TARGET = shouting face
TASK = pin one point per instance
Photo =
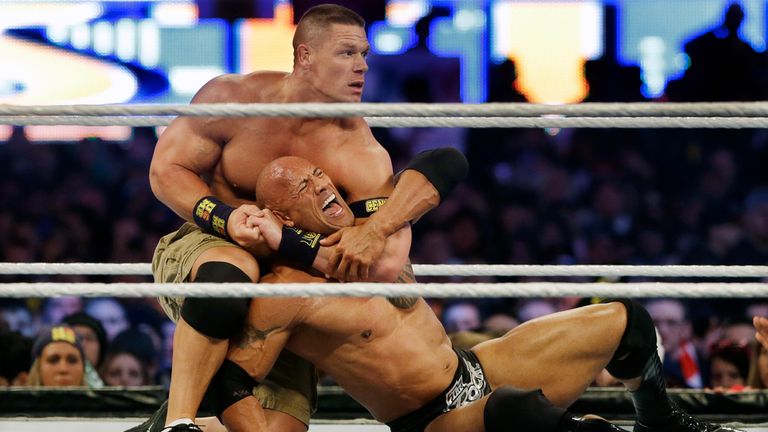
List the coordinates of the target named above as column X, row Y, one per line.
column 301, row 194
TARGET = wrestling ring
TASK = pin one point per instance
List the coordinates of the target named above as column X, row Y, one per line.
column 116, row 409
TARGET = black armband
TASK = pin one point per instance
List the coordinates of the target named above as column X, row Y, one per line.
column 444, row 167
column 211, row 216
column 365, row 208
column 298, row 246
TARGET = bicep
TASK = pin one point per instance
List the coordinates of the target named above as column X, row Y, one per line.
column 372, row 178
column 186, row 145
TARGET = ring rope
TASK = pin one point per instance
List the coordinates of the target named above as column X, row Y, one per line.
column 463, row 122
column 600, row 109
column 432, row 270
column 441, row 290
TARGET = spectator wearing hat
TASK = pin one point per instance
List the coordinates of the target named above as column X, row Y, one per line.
column 57, row 359
column 94, row 340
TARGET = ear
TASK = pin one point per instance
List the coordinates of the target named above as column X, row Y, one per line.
column 304, row 55
column 284, row 218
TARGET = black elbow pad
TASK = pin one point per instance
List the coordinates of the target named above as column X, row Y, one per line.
column 444, row 167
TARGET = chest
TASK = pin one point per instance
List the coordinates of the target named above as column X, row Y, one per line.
column 342, row 152
column 356, row 320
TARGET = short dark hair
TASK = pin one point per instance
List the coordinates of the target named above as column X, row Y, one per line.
column 322, row 16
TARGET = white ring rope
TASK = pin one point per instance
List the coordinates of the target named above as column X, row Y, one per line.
column 610, row 109
column 464, row 122
column 443, row 290
column 432, row 270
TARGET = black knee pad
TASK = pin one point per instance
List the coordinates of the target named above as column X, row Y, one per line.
column 638, row 343
column 509, row 408
column 219, row 318
column 230, row 385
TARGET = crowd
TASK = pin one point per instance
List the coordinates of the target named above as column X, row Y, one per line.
column 533, row 196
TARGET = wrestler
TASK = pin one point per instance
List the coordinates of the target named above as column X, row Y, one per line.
column 399, row 363
column 203, row 169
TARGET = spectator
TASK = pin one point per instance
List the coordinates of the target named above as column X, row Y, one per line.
column 142, row 347
column 54, row 309
column 729, row 362
column 124, row 368
column 110, row 313
column 529, row 309
column 94, row 340
column 461, row 316
column 682, row 363
column 18, row 317
column 58, row 359
column 15, row 361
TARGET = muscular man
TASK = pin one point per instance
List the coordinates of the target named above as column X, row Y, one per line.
column 203, row 169
column 398, row 361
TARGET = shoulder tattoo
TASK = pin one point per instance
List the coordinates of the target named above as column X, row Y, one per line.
column 251, row 335
column 406, row 276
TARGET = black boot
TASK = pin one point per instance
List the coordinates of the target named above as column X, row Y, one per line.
column 680, row 421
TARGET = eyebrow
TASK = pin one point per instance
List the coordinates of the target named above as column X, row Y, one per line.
column 346, row 45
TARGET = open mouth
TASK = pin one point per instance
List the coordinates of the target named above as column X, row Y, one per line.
column 357, row 85
column 331, row 206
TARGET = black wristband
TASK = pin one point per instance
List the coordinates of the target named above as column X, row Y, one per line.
column 365, row 208
column 211, row 215
column 298, row 246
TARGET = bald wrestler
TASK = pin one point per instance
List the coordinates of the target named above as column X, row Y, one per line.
column 398, row 361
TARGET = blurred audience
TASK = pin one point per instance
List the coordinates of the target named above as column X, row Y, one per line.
column 533, row 196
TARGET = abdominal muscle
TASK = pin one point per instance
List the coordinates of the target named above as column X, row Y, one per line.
column 391, row 360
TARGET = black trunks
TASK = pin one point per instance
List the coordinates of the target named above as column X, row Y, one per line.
column 468, row 385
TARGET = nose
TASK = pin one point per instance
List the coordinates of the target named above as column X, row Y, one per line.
column 361, row 65
column 319, row 185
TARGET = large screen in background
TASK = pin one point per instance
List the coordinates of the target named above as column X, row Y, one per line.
column 652, row 33
column 162, row 51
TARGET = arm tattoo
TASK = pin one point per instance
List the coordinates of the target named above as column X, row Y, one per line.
column 406, row 276
column 251, row 334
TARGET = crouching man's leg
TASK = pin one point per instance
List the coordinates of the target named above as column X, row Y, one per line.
column 282, row 402
column 636, row 363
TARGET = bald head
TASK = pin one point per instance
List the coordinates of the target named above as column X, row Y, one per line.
column 274, row 182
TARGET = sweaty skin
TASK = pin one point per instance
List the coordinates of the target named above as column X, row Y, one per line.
column 394, row 360
column 197, row 157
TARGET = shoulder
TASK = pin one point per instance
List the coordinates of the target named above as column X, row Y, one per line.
column 252, row 87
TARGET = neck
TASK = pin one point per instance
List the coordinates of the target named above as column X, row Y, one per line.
column 297, row 89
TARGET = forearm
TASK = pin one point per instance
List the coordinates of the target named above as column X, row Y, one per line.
column 429, row 177
column 412, row 197
column 388, row 267
column 178, row 188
